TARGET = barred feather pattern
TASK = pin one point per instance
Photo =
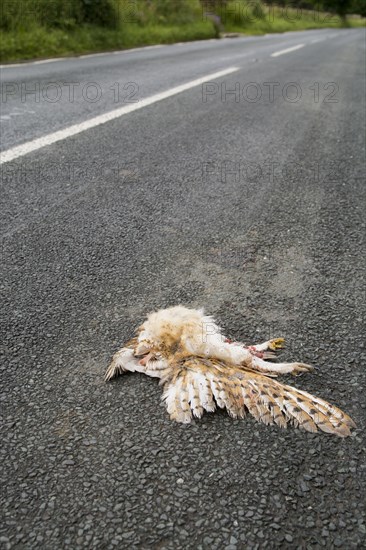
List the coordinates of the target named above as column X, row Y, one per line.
column 198, row 385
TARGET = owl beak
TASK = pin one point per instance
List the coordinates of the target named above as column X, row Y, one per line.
column 141, row 349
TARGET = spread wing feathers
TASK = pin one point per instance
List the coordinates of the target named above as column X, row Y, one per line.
column 125, row 360
column 198, row 384
column 122, row 361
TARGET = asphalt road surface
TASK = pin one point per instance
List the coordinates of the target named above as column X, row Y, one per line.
column 249, row 203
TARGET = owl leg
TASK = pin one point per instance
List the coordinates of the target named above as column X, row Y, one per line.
column 279, row 368
column 261, row 350
column 237, row 352
column 226, row 350
column 274, row 345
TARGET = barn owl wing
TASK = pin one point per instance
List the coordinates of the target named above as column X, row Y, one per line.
column 198, row 384
column 124, row 360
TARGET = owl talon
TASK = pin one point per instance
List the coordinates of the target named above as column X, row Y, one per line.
column 268, row 355
column 300, row 368
column 276, row 344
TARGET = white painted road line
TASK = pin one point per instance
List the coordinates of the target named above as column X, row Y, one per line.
column 143, row 48
column 40, row 62
column 34, row 145
column 75, row 58
column 93, row 55
column 287, row 50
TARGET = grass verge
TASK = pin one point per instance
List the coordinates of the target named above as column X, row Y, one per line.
column 272, row 19
column 40, row 42
column 37, row 42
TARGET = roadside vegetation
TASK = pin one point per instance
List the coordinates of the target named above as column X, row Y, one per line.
column 33, row 29
column 271, row 18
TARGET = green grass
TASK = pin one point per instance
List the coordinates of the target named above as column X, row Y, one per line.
column 41, row 42
column 28, row 39
column 277, row 20
column 356, row 22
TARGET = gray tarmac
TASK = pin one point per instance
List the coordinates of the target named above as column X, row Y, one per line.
column 251, row 208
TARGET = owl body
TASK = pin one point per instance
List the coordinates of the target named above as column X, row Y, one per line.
column 200, row 370
column 182, row 331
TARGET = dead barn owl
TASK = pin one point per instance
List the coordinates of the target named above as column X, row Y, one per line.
column 200, row 369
